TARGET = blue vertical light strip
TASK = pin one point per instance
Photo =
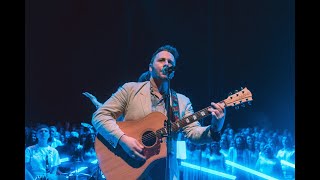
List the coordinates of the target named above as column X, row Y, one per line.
column 94, row 161
column 181, row 150
column 287, row 163
column 192, row 166
column 249, row 170
column 64, row 160
column 79, row 170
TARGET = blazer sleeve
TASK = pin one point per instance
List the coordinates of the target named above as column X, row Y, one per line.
column 104, row 119
column 194, row 131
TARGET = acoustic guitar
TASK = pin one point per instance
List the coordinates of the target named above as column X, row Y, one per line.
column 115, row 163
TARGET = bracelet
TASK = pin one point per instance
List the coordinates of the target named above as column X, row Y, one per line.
column 215, row 135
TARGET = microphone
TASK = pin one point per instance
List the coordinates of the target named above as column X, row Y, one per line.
column 167, row 70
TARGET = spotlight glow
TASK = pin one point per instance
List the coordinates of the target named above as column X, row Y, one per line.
column 249, row 170
column 207, row 170
column 94, row 161
column 64, row 160
column 287, row 163
column 79, row 170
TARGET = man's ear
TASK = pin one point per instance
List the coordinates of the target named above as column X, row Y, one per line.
column 150, row 67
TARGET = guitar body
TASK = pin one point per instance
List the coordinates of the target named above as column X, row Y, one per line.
column 115, row 163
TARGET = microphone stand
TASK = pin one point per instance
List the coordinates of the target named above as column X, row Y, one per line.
column 168, row 127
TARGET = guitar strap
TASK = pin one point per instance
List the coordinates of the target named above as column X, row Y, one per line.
column 175, row 106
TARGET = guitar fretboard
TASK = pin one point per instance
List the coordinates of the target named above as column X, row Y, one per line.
column 176, row 126
column 240, row 97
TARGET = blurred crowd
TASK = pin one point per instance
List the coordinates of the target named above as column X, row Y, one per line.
column 264, row 151
column 246, row 153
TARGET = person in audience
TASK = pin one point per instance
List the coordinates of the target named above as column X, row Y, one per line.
column 230, row 135
column 239, row 155
column 67, row 135
column 89, row 153
column 72, row 153
column 32, row 138
column 83, row 137
column 224, row 145
column 287, row 154
column 262, row 144
column 216, row 160
column 73, row 148
column 268, row 164
column 253, row 154
column 53, row 140
column 62, row 139
column 41, row 160
column 274, row 144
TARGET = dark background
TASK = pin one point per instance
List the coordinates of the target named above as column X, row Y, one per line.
column 96, row 46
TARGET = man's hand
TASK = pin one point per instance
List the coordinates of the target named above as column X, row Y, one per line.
column 218, row 112
column 93, row 99
column 132, row 147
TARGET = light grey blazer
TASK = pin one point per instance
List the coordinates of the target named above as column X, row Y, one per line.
column 133, row 101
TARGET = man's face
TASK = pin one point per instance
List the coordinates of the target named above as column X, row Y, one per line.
column 43, row 134
column 52, row 132
column 161, row 59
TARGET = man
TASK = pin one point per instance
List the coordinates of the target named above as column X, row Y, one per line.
column 135, row 100
column 41, row 160
column 53, row 141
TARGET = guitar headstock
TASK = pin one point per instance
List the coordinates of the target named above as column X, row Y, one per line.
column 239, row 98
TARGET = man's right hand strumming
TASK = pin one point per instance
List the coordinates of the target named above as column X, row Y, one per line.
column 132, row 147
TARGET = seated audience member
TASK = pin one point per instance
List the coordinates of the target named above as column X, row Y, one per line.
column 41, row 160
column 53, row 140
column 71, row 152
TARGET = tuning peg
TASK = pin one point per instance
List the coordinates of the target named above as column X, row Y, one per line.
column 236, row 107
column 241, row 88
column 235, row 91
column 249, row 103
column 230, row 93
column 243, row 105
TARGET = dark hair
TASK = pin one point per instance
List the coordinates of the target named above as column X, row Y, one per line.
column 74, row 139
column 168, row 48
column 144, row 77
column 40, row 126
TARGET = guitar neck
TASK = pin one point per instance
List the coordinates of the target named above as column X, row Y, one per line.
column 236, row 99
column 178, row 125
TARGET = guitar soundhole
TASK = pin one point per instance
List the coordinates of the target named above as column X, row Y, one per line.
column 149, row 138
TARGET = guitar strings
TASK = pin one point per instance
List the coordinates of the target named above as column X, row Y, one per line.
column 174, row 126
column 158, row 132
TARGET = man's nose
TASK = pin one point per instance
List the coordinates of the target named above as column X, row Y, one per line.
column 166, row 62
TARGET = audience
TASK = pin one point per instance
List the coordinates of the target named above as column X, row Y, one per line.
column 255, row 147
